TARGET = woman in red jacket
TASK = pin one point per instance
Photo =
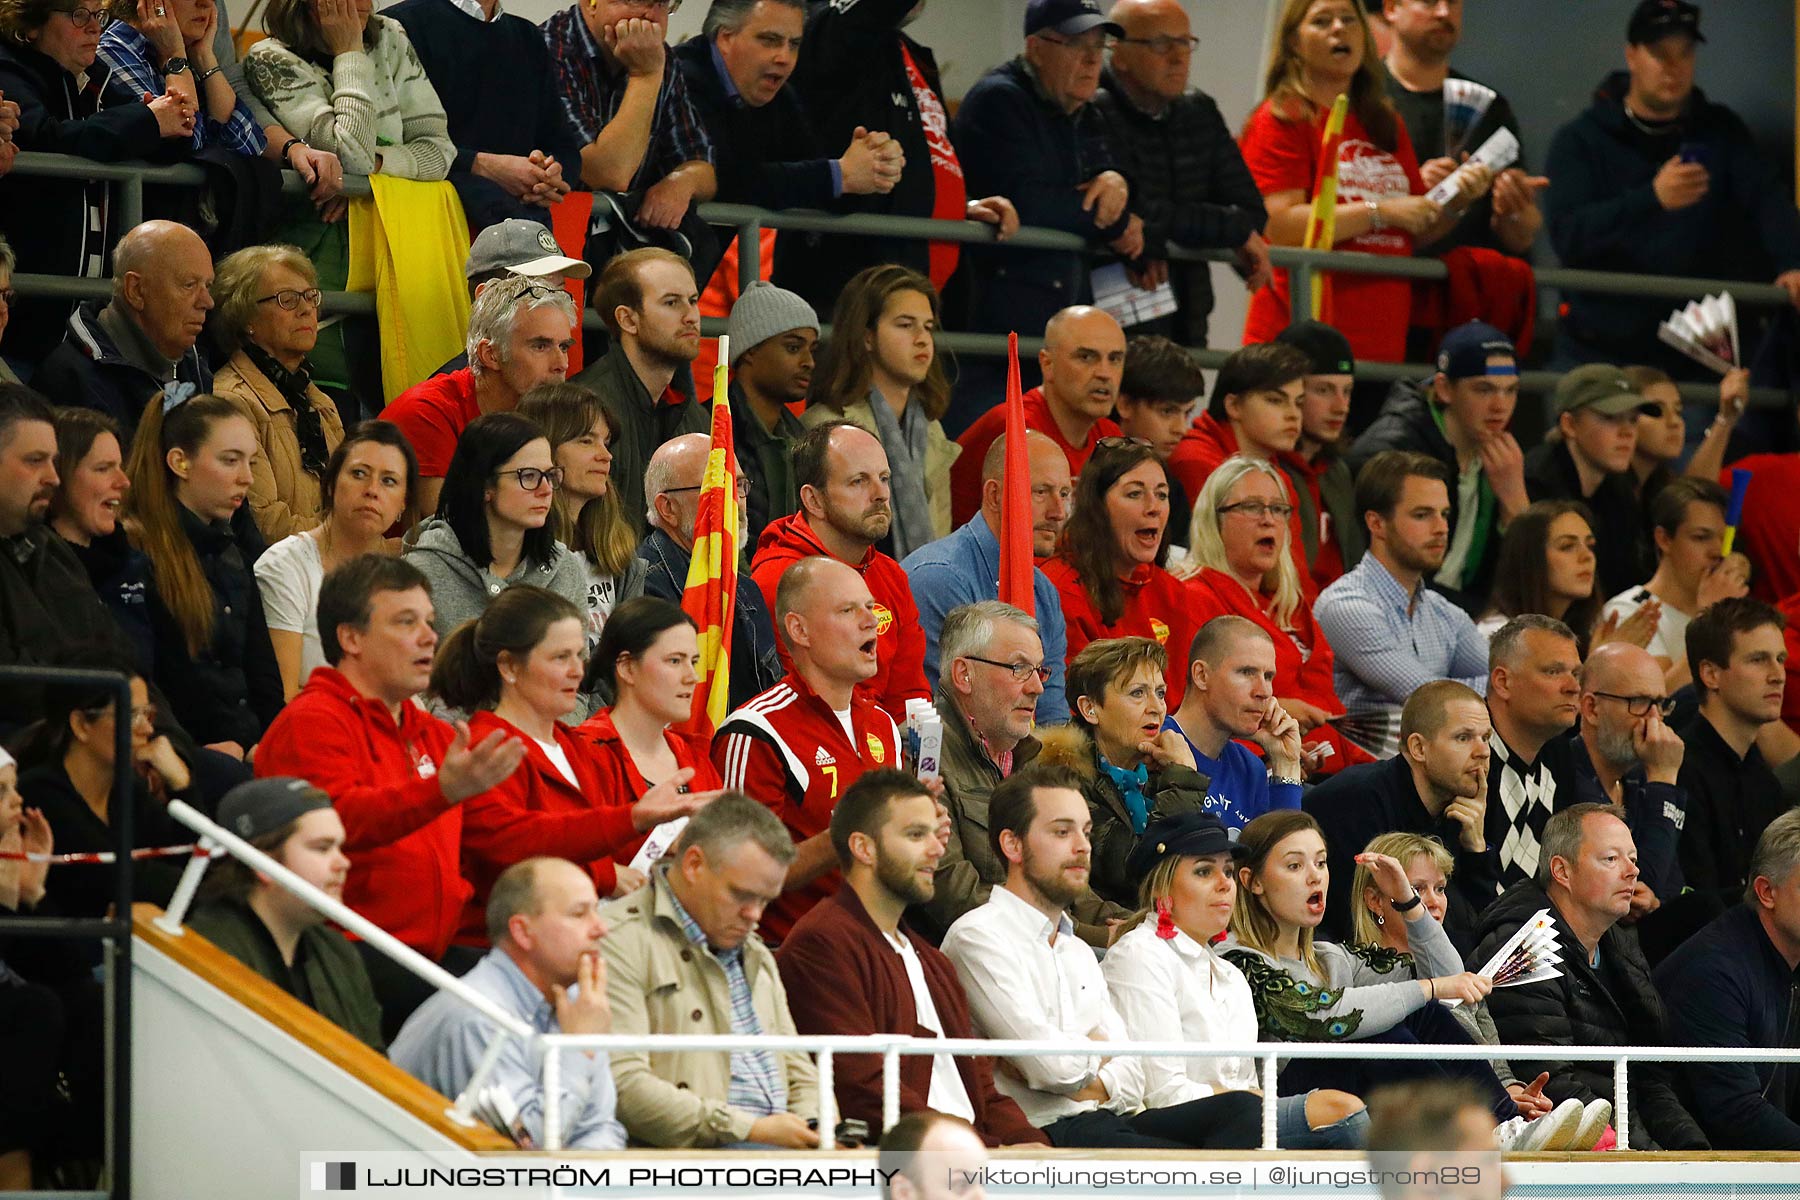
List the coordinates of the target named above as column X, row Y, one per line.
column 1107, row 567
column 519, row 666
column 1240, row 564
column 647, row 658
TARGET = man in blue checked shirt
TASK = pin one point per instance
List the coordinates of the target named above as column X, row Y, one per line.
column 543, row 918
column 168, row 48
column 1391, row 633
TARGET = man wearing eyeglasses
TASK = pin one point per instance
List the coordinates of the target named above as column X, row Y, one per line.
column 1624, row 752
column 1189, row 181
column 1028, row 129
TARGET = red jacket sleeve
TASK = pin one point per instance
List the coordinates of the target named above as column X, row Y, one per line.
column 326, row 752
column 965, row 472
column 498, row 826
column 906, row 673
column 752, row 765
column 767, row 574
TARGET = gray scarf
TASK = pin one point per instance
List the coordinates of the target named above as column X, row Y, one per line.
column 904, row 438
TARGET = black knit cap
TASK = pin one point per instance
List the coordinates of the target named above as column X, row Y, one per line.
column 1327, row 351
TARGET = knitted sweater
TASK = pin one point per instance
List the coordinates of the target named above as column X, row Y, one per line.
column 375, row 102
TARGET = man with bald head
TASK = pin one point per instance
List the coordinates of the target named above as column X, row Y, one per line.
column 1083, row 361
column 1189, row 182
column 1622, row 752
column 965, row 567
column 119, row 353
column 846, row 507
column 672, row 487
column 797, row 746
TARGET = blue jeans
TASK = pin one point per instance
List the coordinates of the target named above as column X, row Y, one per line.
column 1292, row 1132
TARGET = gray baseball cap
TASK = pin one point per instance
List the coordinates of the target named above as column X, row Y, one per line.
column 524, row 248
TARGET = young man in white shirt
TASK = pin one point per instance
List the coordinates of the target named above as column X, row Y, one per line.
column 1028, row 977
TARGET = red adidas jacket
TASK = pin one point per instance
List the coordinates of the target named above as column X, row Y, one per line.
column 402, row 837
column 1157, row 606
column 899, row 638
column 538, row 811
column 788, row 749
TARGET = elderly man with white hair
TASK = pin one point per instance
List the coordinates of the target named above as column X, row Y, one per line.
column 520, row 332
column 672, row 492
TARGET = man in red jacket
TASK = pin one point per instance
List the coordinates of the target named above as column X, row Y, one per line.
column 396, row 775
column 852, row 967
column 1083, row 360
column 797, row 746
column 841, row 472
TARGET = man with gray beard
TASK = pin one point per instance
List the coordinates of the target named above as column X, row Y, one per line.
column 1623, row 752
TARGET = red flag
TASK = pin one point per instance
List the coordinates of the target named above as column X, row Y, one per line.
column 1016, row 586
column 710, row 593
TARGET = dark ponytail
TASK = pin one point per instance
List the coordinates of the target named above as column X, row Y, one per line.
column 466, row 674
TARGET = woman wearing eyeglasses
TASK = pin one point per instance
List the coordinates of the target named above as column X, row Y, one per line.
column 587, row 516
column 492, row 529
column 1108, row 565
column 1238, row 563
column 63, row 226
column 267, row 318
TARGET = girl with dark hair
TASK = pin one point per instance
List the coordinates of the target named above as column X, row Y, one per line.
column 646, row 661
column 1546, row 565
column 84, row 512
column 190, row 474
column 880, row 370
column 518, row 669
column 1108, row 565
column 588, row 517
column 492, row 529
column 1322, row 50
column 1310, row 991
column 67, row 771
column 366, row 488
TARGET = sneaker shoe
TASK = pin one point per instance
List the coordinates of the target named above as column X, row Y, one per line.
column 1595, row 1119
column 1552, row 1131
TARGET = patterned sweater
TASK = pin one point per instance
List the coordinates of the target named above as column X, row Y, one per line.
column 373, row 102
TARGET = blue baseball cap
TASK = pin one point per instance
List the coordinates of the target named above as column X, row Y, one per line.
column 1071, row 18
column 1465, row 350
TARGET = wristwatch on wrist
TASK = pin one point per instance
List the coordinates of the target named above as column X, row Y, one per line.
column 1407, row 905
column 175, row 66
column 288, row 147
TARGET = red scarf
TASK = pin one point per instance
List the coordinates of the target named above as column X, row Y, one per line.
column 952, row 199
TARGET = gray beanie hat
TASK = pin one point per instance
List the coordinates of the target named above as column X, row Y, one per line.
column 265, row 805
column 763, row 312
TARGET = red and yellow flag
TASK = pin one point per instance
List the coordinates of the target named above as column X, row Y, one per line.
column 711, row 590
column 1321, row 222
column 1016, row 568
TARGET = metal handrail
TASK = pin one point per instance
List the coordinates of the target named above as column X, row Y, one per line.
column 891, row 1047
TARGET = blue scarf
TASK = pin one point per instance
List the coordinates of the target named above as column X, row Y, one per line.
column 1131, row 786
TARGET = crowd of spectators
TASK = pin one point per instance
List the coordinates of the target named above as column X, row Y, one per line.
column 1313, row 707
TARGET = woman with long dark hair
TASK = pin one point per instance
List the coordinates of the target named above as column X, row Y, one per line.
column 588, row 517
column 880, row 370
column 492, row 530
column 646, row 661
column 367, row 485
column 85, row 512
column 1323, row 49
column 190, row 475
column 1546, row 565
column 1108, row 565
column 518, row 668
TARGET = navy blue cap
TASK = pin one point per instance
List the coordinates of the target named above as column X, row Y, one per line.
column 1464, row 352
column 1194, row 834
column 1071, row 18
column 1653, row 20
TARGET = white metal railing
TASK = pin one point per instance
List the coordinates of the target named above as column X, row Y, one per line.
column 890, row 1046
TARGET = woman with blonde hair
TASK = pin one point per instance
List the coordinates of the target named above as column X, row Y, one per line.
column 1165, row 980
column 1306, row 990
column 1239, row 563
column 880, row 369
column 587, row 516
column 266, row 316
column 190, row 478
column 1381, row 936
column 1323, row 49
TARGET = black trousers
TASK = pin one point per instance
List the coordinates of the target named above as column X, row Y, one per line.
column 1230, row 1121
column 1432, row 1025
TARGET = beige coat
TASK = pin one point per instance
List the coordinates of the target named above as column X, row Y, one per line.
column 659, row 982
column 284, row 497
column 940, row 453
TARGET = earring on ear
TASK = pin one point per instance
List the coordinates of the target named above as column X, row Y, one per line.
column 1380, row 920
column 1165, row 921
